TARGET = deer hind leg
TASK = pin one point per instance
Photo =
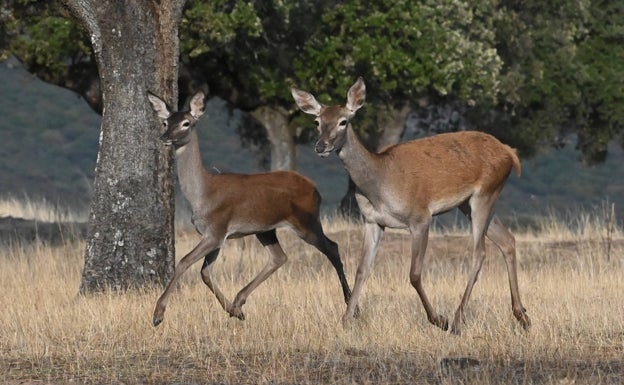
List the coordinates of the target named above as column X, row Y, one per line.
column 506, row 242
column 204, row 247
column 315, row 236
column 206, row 274
column 420, row 235
column 278, row 258
column 372, row 236
column 477, row 209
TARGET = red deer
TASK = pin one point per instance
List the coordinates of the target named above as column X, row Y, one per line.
column 405, row 185
column 236, row 205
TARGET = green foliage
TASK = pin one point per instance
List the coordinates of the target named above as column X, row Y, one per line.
column 46, row 41
column 209, row 25
column 404, row 50
column 245, row 50
column 601, row 54
column 563, row 73
column 529, row 71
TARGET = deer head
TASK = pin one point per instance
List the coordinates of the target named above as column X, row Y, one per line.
column 332, row 121
column 178, row 125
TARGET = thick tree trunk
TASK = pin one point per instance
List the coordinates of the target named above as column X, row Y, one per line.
column 393, row 123
column 275, row 120
column 130, row 236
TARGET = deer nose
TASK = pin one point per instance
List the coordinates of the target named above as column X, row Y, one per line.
column 320, row 147
column 166, row 138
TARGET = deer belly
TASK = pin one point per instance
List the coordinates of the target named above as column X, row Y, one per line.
column 447, row 203
column 237, row 230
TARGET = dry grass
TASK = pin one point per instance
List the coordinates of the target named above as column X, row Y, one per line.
column 293, row 335
column 40, row 210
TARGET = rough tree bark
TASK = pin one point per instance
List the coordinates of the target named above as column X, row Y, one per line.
column 275, row 120
column 130, row 236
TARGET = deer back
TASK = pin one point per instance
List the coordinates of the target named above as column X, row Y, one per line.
column 447, row 165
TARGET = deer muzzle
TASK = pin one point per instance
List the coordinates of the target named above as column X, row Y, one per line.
column 166, row 139
column 322, row 148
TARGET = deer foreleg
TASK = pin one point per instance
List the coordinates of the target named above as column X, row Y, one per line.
column 204, row 247
column 372, row 236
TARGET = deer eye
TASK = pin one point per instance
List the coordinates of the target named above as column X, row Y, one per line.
column 186, row 124
column 164, row 124
column 342, row 123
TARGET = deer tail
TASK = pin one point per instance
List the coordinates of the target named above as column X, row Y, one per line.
column 515, row 160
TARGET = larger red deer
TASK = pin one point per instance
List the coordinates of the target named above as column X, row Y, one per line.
column 405, row 185
column 236, row 205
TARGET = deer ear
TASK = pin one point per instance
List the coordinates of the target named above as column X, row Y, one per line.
column 198, row 104
column 306, row 102
column 356, row 95
column 159, row 106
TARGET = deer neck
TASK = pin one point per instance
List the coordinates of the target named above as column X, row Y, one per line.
column 192, row 175
column 362, row 165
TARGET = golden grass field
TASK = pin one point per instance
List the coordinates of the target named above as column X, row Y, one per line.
column 573, row 292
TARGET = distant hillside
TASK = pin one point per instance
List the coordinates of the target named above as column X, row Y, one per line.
column 50, row 138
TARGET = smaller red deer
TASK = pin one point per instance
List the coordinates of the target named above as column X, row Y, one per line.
column 405, row 185
column 236, row 205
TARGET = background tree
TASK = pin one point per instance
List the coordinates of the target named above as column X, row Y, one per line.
column 563, row 75
column 600, row 111
column 130, row 236
column 245, row 52
column 43, row 36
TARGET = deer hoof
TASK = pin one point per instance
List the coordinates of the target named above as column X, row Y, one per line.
column 357, row 312
column 523, row 318
column 237, row 313
column 441, row 322
column 159, row 313
column 346, row 321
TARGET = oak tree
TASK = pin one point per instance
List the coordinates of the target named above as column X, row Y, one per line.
column 130, row 235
